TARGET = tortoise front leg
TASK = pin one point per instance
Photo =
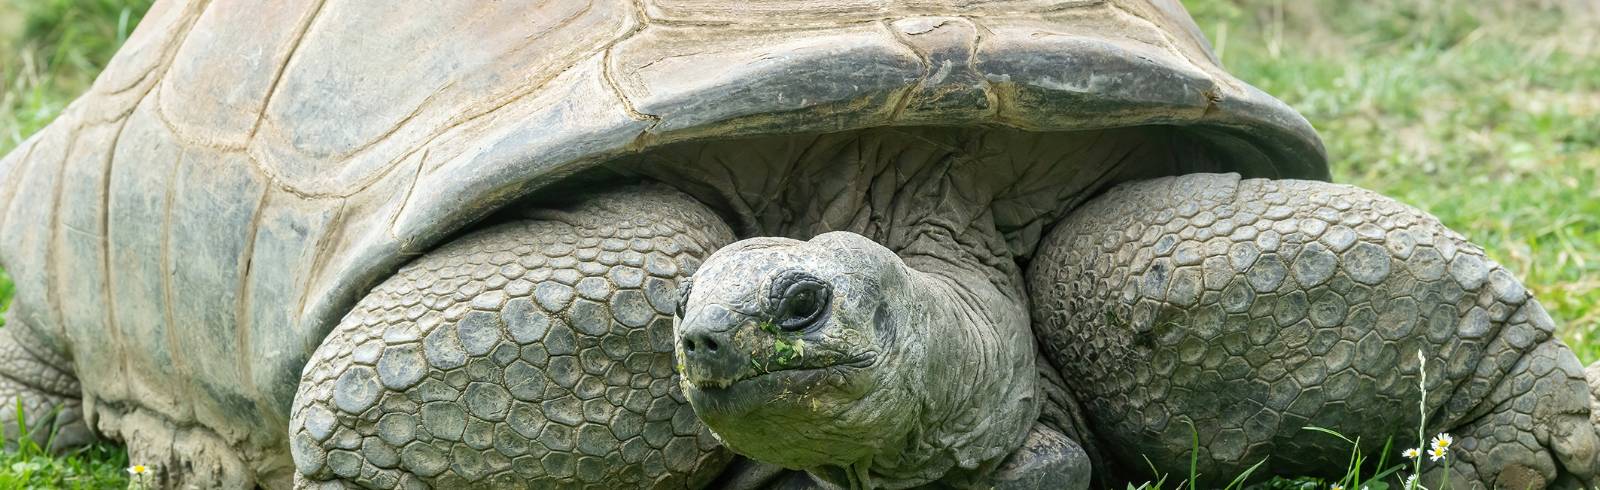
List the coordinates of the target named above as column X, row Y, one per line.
column 1254, row 308
column 531, row 354
column 1047, row 459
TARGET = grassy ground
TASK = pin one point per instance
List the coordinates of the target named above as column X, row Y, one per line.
column 1485, row 113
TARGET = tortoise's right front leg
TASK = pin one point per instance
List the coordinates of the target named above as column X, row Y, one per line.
column 533, row 354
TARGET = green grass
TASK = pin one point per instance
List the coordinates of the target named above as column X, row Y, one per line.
column 50, row 52
column 29, row 465
column 1486, row 114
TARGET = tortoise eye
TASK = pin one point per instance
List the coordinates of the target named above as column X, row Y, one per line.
column 683, row 296
column 801, row 300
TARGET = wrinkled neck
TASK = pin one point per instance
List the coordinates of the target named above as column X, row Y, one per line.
column 976, row 372
column 889, row 183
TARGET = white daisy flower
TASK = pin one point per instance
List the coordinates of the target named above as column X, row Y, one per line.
column 1436, row 453
column 1412, row 453
column 138, row 470
column 1443, row 441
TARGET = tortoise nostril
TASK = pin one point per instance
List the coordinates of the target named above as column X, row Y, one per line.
column 700, row 344
column 710, row 358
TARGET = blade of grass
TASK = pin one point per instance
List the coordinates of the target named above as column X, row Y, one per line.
column 1239, row 480
column 1330, row 432
column 1194, row 455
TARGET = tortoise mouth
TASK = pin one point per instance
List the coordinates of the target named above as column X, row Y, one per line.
column 770, row 389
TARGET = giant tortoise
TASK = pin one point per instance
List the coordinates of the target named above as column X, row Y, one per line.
column 668, row 243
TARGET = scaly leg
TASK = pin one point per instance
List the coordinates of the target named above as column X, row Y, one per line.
column 1254, row 308
column 531, row 354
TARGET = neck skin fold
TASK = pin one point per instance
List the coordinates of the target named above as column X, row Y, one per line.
column 977, row 373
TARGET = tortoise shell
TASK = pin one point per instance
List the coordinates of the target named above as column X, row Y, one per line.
column 243, row 172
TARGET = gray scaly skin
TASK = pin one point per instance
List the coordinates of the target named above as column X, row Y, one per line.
column 533, row 353
column 39, row 383
column 1254, row 308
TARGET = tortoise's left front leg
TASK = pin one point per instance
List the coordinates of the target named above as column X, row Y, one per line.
column 1255, row 308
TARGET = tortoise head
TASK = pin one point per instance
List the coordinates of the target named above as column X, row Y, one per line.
column 790, row 347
